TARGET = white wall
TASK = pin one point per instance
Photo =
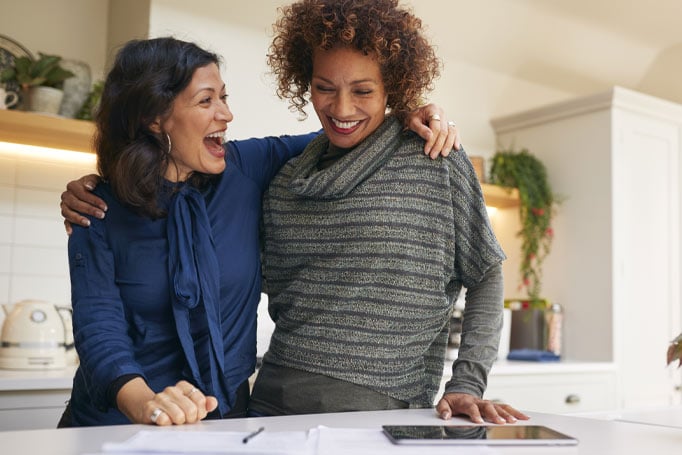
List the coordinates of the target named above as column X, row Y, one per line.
column 33, row 259
column 73, row 29
column 471, row 95
column 241, row 32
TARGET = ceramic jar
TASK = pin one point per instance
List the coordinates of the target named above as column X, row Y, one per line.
column 76, row 88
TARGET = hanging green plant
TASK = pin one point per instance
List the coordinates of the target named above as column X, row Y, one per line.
column 525, row 172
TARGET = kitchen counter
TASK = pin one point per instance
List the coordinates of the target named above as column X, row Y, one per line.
column 15, row 380
column 563, row 387
column 595, row 436
column 32, row 399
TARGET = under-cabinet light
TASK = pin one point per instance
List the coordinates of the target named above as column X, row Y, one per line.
column 46, row 154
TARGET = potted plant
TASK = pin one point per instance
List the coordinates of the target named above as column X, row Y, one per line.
column 539, row 328
column 675, row 351
column 525, row 172
column 41, row 81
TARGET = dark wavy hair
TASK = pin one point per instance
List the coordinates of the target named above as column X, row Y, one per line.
column 378, row 28
column 146, row 77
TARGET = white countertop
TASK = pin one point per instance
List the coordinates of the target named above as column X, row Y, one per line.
column 513, row 367
column 16, row 380
column 516, row 367
column 603, row 437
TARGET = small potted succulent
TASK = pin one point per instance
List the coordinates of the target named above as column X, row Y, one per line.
column 41, row 81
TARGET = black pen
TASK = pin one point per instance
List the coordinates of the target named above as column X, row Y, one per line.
column 252, row 435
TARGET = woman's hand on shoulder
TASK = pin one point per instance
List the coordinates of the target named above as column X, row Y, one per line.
column 176, row 405
column 477, row 409
column 431, row 123
column 78, row 200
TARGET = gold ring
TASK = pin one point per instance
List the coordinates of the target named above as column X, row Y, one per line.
column 434, row 117
column 155, row 414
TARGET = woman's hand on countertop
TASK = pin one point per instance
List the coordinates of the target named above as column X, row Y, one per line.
column 175, row 405
column 477, row 409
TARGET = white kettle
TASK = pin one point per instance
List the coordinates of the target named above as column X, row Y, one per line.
column 36, row 335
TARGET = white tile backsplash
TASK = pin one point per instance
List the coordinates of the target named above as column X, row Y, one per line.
column 41, row 203
column 4, row 288
column 6, row 199
column 5, row 258
column 36, row 260
column 49, row 176
column 33, row 243
column 52, row 289
column 7, row 171
column 46, row 232
column 6, row 229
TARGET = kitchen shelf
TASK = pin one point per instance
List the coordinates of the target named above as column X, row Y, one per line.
column 46, row 130
column 68, row 134
column 499, row 196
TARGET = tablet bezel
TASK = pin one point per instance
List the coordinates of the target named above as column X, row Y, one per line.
column 557, row 438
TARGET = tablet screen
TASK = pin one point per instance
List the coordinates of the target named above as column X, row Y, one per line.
column 477, row 434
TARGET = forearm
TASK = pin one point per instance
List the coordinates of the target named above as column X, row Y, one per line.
column 481, row 327
column 131, row 398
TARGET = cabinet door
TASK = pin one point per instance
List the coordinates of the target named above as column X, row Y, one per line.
column 646, row 233
column 557, row 393
column 31, row 410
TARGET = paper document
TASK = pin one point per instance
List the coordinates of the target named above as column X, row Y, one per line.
column 216, row 442
column 320, row 440
column 344, row 441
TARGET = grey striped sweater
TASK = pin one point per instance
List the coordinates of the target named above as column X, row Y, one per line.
column 362, row 262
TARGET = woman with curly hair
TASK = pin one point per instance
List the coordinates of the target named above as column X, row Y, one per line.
column 367, row 243
column 165, row 288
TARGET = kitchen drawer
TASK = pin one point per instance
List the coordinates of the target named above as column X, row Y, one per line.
column 31, row 410
column 555, row 393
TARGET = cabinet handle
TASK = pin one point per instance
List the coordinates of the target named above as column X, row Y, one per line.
column 572, row 399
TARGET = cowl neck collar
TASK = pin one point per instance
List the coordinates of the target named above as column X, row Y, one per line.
column 339, row 179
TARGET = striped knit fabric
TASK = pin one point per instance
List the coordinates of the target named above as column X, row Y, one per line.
column 363, row 260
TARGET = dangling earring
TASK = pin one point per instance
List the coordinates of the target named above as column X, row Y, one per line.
column 169, row 144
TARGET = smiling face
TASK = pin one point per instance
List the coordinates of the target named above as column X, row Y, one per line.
column 348, row 95
column 197, row 126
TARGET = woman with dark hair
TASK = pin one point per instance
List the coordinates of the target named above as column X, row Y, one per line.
column 367, row 243
column 165, row 288
column 164, row 310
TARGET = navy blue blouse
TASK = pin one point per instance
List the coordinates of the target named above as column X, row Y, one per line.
column 173, row 298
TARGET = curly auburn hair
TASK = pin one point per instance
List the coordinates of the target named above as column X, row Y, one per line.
column 378, row 28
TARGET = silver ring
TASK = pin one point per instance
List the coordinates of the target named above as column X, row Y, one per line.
column 434, row 117
column 155, row 414
column 451, row 123
column 194, row 389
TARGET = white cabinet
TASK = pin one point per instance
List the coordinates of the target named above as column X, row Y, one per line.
column 32, row 410
column 557, row 388
column 33, row 399
column 615, row 263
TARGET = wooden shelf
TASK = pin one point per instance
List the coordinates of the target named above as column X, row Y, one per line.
column 46, row 131
column 68, row 134
column 500, row 197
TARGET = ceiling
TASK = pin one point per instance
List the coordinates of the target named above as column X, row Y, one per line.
column 578, row 46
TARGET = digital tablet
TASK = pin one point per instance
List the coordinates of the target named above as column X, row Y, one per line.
column 512, row 434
